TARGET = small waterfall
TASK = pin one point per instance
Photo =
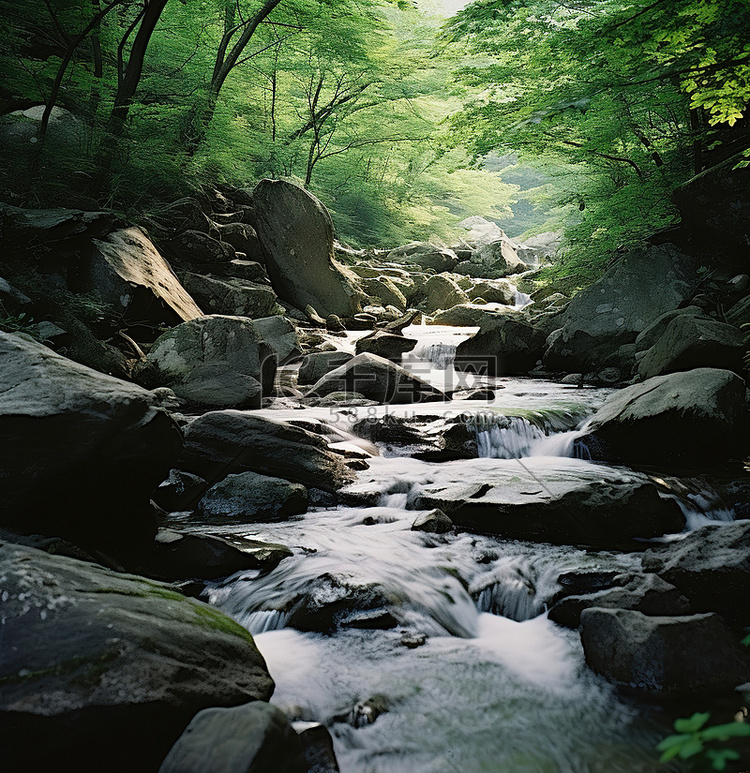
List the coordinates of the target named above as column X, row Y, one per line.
column 521, row 299
column 699, row 503
column 265, row 620
column 440, row 356
column 516, row 437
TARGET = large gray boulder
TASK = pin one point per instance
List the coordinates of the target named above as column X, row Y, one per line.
column 384, row 344
column 651, row 334
column 500, row 258
column 281, row 334
column 692, row 342
column 442, row 293
column 80, row 452
column 107, row 669
column 664, row 656
column 493, row 291
column 470, row 315
column 296, row 232
column 562, row 501
column 249, row 497
column 645, row 593
column 316, row 364
column 231, row 296
column 128, row 272
column 223, row 442
column 506, row 344
column 218, row 361
column 424, row 255
column 641, row 286
column 377, row 379
column 385, row 290
column 711, row 566
column 689, row 418
column 253, row 738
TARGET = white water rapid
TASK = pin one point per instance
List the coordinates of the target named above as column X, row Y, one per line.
column 447, row 633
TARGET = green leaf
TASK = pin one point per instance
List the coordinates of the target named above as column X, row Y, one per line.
column 673, row 741
column 723, row 732
column 693, row 724
column 691, row 748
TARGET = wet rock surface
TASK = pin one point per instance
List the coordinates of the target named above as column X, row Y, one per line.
column 90, row 656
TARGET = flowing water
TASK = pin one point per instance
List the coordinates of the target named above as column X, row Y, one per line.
column 467, row 670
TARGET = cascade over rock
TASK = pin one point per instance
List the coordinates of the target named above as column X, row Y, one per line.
column 296, row 232
column 687, row 418
column 107, row 669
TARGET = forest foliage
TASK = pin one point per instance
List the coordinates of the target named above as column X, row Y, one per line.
column 401, row 127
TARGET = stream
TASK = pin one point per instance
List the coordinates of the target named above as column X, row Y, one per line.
column 450, row 663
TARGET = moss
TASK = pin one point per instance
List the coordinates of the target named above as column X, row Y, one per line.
column 151, row 590
column 206, row 617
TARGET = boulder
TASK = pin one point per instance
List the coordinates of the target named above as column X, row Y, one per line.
column 498, row 291
column 81, row 451
column 642, row 285
column 442, row 293
column 739, row 313
column 11, row 298
column 500, row 258
column 128, row 272
column 180, row 491
column 249, row 270
column 92, row 658
column 248, row 497
column 691, row 342
column 545, row 499
column 179, row 556
column 715, row 209
column 693, row 656
column 425, row 255
column 281, row 334
column 34, row 227
column 469, row 315
column 433, row 522
column 650, row 335
column 223, row 442
column 387, row 345
column 384, row 289
column 198, row 247
column 711, row 566
column 645, row 593
column 296, row 232
column 377, row 379
column 253, row 738
column 215, row 361
column 231, row 296
column 316, row 364
column 510, row 346
column 318, row 746
column 241, row 237
column 687, row 418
